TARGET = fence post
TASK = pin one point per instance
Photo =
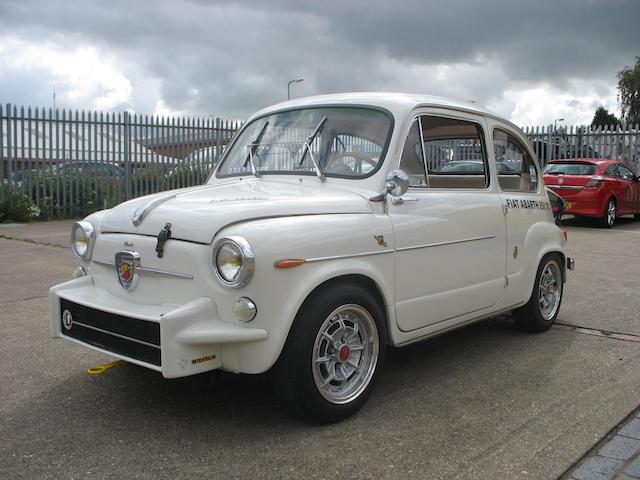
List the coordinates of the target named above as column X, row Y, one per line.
column 3, row 157
column 9, row 145
column 127, row 155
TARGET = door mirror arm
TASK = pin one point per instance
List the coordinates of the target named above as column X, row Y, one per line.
column 396, row 184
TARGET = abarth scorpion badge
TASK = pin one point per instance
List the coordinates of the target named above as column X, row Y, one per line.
column 67, row 320
column 126, row 264
column 380, row 240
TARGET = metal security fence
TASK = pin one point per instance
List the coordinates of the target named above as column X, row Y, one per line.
column 70, row 163
column 615, row 142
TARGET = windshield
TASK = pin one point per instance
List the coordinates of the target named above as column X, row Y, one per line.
column 570, row 168
column 344, row 142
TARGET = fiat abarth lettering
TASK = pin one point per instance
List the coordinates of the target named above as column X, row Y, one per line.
column 332, row 227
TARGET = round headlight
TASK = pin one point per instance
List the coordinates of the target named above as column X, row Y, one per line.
column 82, row 240
column 233, row 261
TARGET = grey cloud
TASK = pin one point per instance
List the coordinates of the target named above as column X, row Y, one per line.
column 230, row 58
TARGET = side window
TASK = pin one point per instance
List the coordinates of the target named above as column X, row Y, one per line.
column 516, row 169
column 412, row 161
column 454, row 153
column 625, row 172
column 611, row 171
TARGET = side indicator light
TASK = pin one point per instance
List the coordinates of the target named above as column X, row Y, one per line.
column 290, row 263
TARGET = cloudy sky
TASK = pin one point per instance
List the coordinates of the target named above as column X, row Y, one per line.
column 532, row 61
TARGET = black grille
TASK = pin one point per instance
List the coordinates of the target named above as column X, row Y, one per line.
column 107, row 331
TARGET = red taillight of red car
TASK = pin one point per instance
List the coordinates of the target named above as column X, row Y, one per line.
column 594, row 183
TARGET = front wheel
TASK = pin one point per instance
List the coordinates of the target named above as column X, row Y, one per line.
column 334, row 353
column 541, row 311
column 609, row 217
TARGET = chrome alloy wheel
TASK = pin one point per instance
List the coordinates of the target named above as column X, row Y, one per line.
column 611, row 212
column 550, row 290
column 345, row 354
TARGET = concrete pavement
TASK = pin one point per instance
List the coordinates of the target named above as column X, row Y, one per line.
column 486, row 401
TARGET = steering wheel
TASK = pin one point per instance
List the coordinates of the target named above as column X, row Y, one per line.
column 360, row 157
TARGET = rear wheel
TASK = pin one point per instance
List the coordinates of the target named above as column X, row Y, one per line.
column 609, row 217
column 334, row 353
column 541, row 311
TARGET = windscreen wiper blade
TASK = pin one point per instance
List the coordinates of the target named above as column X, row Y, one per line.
column 307, row 148
column 253, row 146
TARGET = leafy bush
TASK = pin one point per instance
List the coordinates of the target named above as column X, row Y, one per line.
column 72, row 194
column 15, row 206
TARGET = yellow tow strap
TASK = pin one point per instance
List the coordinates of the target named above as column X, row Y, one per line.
column 100, row 369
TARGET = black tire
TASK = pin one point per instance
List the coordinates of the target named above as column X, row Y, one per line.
column 636, row 216
column 299, row 376
column 532, row 316
column 608, row 218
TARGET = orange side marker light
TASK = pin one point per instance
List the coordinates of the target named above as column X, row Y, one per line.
column 289, row 263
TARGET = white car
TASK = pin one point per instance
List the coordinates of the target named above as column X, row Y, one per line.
column 327, row 232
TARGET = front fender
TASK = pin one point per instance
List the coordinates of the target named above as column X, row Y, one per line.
column 331, row 245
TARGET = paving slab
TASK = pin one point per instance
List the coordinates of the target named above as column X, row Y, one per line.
column 55, row 232
column 28, row 269
column 606, row 278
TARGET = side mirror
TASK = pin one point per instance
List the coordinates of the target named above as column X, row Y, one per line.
column 396, row 184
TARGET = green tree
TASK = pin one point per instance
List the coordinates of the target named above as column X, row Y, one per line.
column 629, row 93
column 602, row 118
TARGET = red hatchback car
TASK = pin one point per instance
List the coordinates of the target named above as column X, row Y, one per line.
column 593, row 187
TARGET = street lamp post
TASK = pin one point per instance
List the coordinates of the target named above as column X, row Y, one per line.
column 289, row 86
column 555, row 123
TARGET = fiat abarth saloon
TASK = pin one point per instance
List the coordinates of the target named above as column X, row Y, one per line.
column 330, row 229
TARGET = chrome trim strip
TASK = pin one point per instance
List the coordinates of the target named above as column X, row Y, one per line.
column 366, row 254
column 567, row 187
column 153, row 272
column 143, row 210
column 351, row 255
column 104, row 264
column 149, row 272
column 439, row 244
column 124, row 337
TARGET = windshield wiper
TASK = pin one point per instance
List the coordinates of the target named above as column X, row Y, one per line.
column 253, row 146
column 307, row 148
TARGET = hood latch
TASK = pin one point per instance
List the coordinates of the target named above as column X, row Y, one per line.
column 163, row 236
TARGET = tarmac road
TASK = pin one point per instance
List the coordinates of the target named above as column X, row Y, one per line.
column 484, row 402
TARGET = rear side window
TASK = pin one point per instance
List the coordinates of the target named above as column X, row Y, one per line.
column 516, row 169
column 625, row 172
column 570, row 168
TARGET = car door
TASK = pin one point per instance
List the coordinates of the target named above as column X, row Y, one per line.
column 449, row 230
column 631, row 189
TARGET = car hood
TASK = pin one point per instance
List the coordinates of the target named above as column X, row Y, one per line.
column 196, row 214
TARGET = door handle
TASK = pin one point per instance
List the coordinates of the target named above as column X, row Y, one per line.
column 403, row 200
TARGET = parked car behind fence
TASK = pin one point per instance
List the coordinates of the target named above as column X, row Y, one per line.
column 596, row 188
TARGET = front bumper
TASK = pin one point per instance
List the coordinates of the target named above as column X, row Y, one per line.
column 177, row 340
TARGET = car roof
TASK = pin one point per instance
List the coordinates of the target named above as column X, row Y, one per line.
column 596, row 161
column 393, row 101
